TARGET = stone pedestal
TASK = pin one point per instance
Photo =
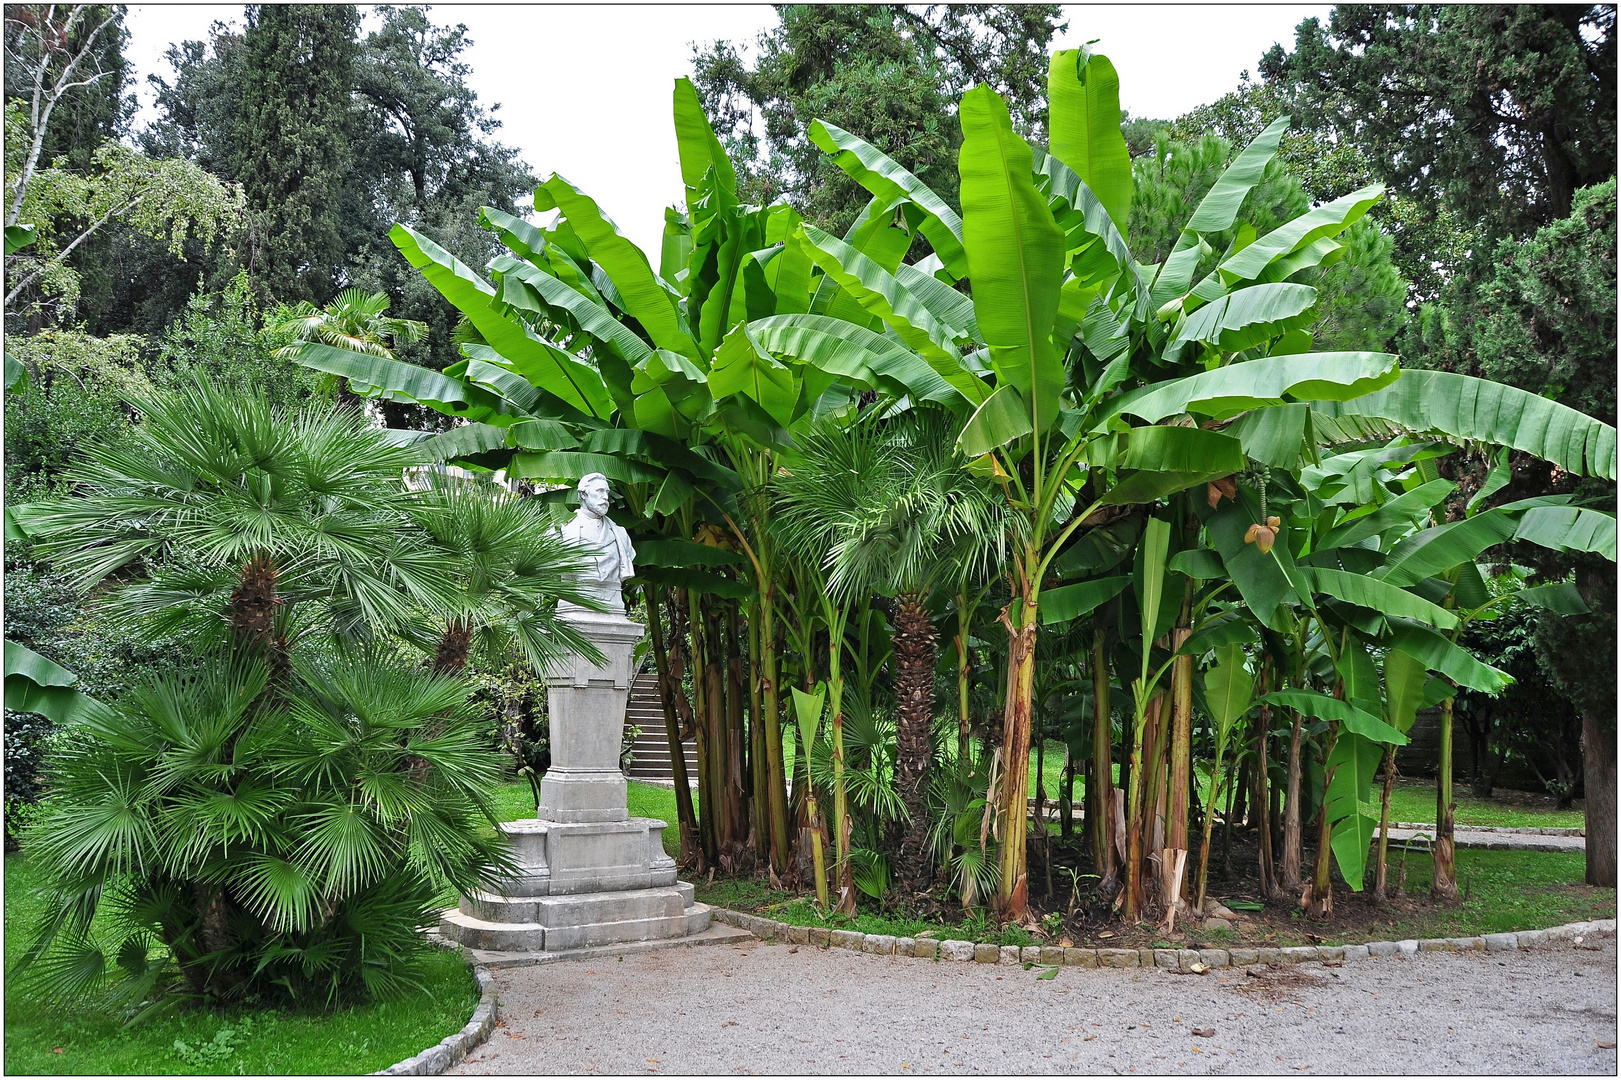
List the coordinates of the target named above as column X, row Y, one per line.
column 588, row 873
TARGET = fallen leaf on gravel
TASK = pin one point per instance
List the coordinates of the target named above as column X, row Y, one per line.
column 794, row 949
column 1089, row 1038
column 1204, row 1033
column 1106, row 933
column 1196, row 1050
column 1601, row 1046
column 1048, row 973
column 1198, row 969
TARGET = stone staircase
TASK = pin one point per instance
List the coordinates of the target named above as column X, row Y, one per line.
column 650, row 754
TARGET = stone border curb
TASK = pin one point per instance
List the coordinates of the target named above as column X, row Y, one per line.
column 1170, row 959
column 451, row 1049
column 1516, row 830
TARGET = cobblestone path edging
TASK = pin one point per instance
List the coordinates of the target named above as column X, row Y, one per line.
column 1172, row 959
column 451, row 1049
column 1518, row 830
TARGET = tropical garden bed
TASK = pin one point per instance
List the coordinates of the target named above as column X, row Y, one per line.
column 1505, row 891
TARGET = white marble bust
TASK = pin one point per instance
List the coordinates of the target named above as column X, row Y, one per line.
column 612, row 558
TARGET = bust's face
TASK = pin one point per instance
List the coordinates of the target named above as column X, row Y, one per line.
column 594, row 497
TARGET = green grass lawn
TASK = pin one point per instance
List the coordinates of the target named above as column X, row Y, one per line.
column 42, row 1038
column 1414, row 800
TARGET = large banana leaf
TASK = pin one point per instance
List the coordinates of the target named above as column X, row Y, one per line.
column 376, row 376
column 1559, row 597
column 1322, row 707
column 1083, row 125
column 550, row 294
column 1246, row 318
column 1228, row 688
column 1359, row 679
column 696, row 144
column 521, row 237
column 1463, row 407
column 1352, row 762
column 878, row 291
column 1219, row 208
column 1438, row 654
column 875, row 171
column 1067, row 602
column 1216, row 213
column 674, row 553
column 1398, row 511
column 1436, row 550
column 742, row 368
column 1268, row 381
column 1015, row 254
column 647, row 299
column 1569, row 528
column 1182, row 449
column 854, row 352
column 1381, row 596
column 1321, row 222
column 999, row 420
column 1405, row 678
column 464, row 441
column 548, row 367
column 37, row 685
column 1260, row 578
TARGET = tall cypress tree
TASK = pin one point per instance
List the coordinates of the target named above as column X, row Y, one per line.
column 293, row 143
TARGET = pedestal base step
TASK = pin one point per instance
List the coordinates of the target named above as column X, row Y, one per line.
column 717, row 934
column 556, row 923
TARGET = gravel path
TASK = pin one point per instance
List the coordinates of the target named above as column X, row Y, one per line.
column 799, row 1009
column 1491, row 840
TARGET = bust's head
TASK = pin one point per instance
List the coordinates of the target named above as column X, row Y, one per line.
column 593, row 489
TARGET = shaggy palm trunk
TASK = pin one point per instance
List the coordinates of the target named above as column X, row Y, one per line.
column 1382, row 867
column 914, row 659
column 1444, row 885
column 687, row 823
column 1100, row 792
column 450, row 653
column 1291, row 811
column 252, row 614
column 961, row 641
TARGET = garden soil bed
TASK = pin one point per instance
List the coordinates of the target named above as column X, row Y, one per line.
column 1505, row 891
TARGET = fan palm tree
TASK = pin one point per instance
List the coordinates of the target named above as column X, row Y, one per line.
column 256, row 524
column 508, row 565
column 887, row 508
column 356, row 321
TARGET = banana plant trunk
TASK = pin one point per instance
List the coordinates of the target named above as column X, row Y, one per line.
column 1013, row 890
column 708, row 802
column 961, row 641
column 736, row 738
column 1133, row 904
column 1181, row 764
column 1382, row 867
column 1263, row 800
column 776, row 786
column 1291, row 810
column 1100, row 792
column 687, row 823
column 1445, row 883
column 1320, row 899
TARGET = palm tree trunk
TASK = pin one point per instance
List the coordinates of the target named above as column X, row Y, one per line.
column 914, row 659
column 252, row 614
column 450, row 654
column 961, row 641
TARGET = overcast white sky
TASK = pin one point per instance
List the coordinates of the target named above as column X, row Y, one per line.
column 585, row 89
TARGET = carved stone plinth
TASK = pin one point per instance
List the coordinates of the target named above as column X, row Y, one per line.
column 588, row 873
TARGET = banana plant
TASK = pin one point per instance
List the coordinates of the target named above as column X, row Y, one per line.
column 1067, row 375
column 808, row 712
